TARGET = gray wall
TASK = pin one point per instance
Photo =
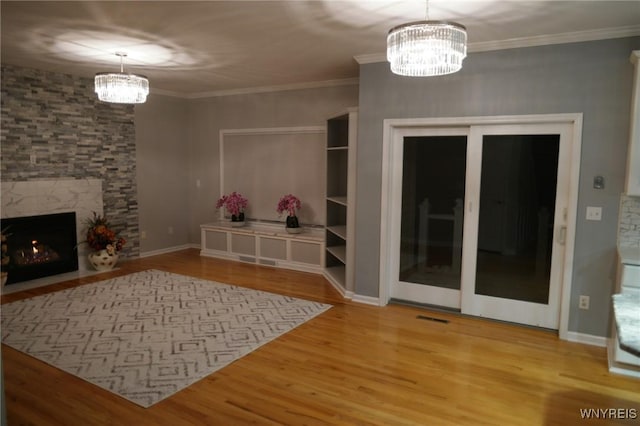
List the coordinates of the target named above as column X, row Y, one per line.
column 593, row 78
column 58, row 118
column 292, row 108
column 162, row 156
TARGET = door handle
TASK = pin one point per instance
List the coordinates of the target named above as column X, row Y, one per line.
column 562, row 235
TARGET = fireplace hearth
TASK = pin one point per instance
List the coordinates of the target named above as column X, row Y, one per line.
column 40, row 246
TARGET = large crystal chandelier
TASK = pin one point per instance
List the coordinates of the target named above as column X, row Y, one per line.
column 426, row 48
column 121, row 87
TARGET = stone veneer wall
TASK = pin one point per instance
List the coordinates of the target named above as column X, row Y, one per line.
column 629, row 226
column 56, row 120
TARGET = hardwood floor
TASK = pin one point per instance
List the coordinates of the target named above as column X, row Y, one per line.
column 352, row 365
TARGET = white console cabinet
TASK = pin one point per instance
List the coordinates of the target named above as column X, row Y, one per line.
column 265, row 244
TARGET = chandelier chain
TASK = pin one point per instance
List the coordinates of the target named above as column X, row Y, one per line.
column 121, row 55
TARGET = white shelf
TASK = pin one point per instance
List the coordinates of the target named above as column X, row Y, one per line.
column 342, row 200
column 340, row 231
column 337, row 274
column 271, row 230
column 340, row 252
column 337, row 148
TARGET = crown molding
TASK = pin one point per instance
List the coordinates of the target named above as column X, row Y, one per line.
column 280, row 88
column 153, row 91
column 543, row 40
column 251, row 90
column 370, row 58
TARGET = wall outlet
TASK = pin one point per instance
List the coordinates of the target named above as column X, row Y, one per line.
column 594, row 213
column 170, row 230
column 584, row 302
column 143, row 235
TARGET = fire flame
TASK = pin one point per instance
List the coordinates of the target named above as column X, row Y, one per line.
column 33, row 243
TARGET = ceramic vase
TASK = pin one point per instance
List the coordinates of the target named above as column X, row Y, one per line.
column 293, row 226
column 237, row 221
column 101, row 260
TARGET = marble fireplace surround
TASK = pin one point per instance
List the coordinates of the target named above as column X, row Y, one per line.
column 36, row 197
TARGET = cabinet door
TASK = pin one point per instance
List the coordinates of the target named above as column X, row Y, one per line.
column 243, row 244
column 304, row 252
column 273, row 248
column 216, row 240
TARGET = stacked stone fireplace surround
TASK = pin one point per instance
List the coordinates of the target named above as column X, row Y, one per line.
column 63, row 150
column 629, row 224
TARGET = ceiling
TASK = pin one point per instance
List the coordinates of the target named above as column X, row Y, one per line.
column 205, row 48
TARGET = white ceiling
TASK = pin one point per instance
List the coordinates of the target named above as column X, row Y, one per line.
column 215, row 47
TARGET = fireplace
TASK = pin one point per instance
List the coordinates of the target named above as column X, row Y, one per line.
column 40, row 246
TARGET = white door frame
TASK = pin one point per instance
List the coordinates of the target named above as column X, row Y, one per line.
column 392, row 126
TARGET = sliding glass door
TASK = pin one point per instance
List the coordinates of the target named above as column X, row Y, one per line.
column 482, row 220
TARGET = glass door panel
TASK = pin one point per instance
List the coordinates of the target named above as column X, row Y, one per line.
column 516, row 219
column 431, row 221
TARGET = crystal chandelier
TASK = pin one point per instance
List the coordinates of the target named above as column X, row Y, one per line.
column 121, row 87
column 426, row 48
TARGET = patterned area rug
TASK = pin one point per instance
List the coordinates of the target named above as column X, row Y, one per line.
column 147, row 335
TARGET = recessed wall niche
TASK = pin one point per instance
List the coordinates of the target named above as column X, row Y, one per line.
column 265, row 164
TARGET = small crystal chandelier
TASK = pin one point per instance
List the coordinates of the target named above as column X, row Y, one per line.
column 426, row 48
column 121, row 87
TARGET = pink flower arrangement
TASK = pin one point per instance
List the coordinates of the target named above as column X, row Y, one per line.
column 234, row 203
column 289, row 203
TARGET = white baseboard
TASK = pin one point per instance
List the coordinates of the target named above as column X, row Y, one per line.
column 587, row 339
column 367, row 300
column 168, row 250
column 618, row 367
column 343, row 292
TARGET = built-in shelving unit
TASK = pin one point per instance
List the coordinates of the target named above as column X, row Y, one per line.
column 340, row 201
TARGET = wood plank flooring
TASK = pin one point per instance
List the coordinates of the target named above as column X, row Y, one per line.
column 352, row 365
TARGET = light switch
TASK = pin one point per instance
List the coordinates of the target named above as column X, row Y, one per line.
column 594, row 213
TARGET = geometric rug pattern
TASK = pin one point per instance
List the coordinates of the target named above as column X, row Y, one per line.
column 147, row 335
